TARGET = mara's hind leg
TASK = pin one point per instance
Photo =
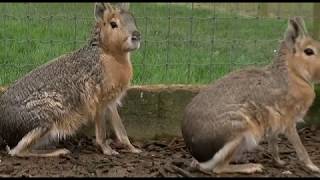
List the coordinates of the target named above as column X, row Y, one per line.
column 119, row 129
column 220, row 163
column 25, row 146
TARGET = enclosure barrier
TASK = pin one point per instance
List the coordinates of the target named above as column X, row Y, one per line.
column 182, row 43
column 155, row 111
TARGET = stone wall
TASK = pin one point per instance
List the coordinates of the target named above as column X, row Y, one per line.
column 152, row 111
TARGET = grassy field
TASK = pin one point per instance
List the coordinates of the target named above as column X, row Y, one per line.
column 181, row 44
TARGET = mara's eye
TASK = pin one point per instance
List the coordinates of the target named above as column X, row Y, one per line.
column 113, row 25
column 309, row 52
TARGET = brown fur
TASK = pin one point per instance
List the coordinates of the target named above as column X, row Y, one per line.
column 239, row 110
column 59, row 97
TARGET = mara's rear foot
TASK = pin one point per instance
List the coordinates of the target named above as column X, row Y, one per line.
column 239, row 168
column 313, row 167
column 40, row 153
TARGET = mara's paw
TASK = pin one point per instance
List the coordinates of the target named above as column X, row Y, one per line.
column 62, row 152
column 313, row 167
column 135, row 150
column 110, row 152
column 239, row 168
column 280, row 162
column 255, row 168
column 194, row 164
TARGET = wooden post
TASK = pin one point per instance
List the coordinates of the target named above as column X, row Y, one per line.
column 316, row 20
column 262, row 9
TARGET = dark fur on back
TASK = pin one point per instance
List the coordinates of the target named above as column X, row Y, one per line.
column 57, row 87
column 61, row 82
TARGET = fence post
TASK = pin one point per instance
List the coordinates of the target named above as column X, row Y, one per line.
column 263, row 9
column 316, row 20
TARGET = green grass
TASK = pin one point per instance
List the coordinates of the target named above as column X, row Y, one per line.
column 200, row 49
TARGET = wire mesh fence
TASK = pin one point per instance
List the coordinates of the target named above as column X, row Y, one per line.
column 182, row 43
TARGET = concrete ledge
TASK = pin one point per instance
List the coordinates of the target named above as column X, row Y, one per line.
column 150, row 111
column 153, row 111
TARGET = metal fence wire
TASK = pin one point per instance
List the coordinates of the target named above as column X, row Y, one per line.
column 182, row 43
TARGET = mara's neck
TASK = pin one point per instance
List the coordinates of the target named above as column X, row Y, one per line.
column 283, row 65
column 299, row 75
column 123, row 58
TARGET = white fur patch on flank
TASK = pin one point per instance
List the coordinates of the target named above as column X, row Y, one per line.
column 66, row 127
column 57, row 133
column 250, row 141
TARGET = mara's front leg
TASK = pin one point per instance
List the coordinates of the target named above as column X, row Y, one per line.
column 302, row 153
column 274, row 149
column 119, row 129
column 101, row 136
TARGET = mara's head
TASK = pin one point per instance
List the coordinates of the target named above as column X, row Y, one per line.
column 118, row 30
column 304, row 51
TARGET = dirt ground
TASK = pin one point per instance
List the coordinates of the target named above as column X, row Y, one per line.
column 164, row 157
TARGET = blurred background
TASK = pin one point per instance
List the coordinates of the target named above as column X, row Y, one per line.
column 183, row 43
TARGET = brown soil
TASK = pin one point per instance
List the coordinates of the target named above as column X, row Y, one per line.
column 165, row 157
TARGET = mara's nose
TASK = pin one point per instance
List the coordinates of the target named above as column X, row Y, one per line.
column 135, row 36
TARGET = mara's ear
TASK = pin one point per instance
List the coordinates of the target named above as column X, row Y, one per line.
column 302, row 25
column 123, row 6
column 296, row 30
column 100, row 9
